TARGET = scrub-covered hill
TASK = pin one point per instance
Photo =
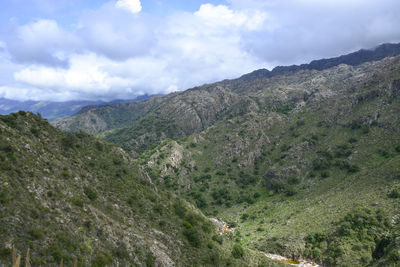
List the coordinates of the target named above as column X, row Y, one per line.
column 71, row 196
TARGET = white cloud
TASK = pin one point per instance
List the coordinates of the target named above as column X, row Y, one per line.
column 114, row 54
column 133, row 6
column 42, row 41
column 221, row 15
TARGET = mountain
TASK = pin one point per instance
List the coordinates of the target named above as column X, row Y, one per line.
column 352, row 59
column 96, row 119
column 304, row 163
column 134, row 124
column 53, row 110
column 72, row 196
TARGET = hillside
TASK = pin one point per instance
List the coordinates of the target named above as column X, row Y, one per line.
column 305, row 163
column 318, row 179
column 71, row 196
column 140, row 126
column 97, row 119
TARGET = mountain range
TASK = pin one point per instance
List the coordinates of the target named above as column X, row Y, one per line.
column 54, row 110
column 301, row 161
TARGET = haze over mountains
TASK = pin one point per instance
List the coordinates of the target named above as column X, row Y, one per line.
column 301, row 161
column 53, row 110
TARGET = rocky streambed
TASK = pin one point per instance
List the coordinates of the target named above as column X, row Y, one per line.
column 300, row 263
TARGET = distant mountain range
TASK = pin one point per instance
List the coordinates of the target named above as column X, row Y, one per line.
column 352, row 59
column 52, row 110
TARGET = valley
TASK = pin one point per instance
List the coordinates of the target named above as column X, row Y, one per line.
column 301, row 163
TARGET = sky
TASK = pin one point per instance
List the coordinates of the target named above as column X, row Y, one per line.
column 59, row 50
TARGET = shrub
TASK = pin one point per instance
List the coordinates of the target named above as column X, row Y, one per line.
column 35, row 131
column 218, row 239
column 395, row 193
column 384, row 153
column 319, row 164
column 180, row 209
column 35, row 233
column 237, row 251
column 90, row 193
column 220, row 173
column 293, row 180
column 67, row 141
column 300, row 123
column 193, row 236
column 4, row 196
column 77, row 201
column 316, row 238
column 316, row 253
column 150, row 260
column 121, row 251
column 6, row 147
column 352, row 140
column 65, row 174
column 290, row 191
column 10, row 120
column 102, row 259
column 325, row 174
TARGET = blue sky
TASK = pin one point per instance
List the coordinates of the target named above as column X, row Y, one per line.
column 92, row 49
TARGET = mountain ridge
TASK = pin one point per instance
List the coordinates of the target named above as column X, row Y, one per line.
column 352, row 59
column 82, row 122
column 54, row 111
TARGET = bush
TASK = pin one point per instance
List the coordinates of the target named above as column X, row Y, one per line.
column 352, row 140
column 35, row 233
column 120, row 251
column 35, row 131
column 218, row 239
column 316, row 238
column 90, row 193
column 237, row 251
column 325, row 174
column 193, row 236
column 293, row 180
column 102, row 259
column 395, row 193
column 290, row 191
column 220, row 173
column 67, row 141
column 179, row 209
column 77, row 201
column 319, row 164
column 150, row 260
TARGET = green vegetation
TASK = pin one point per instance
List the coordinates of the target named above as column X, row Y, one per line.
column 70, row 196
column 305, row 165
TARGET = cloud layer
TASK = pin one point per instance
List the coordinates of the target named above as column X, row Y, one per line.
column 120, row 51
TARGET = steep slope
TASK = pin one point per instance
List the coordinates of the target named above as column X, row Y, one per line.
column 189, row 112
column 71, row 196
column 138, row 127
column 311, row 170
column 304, row 164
